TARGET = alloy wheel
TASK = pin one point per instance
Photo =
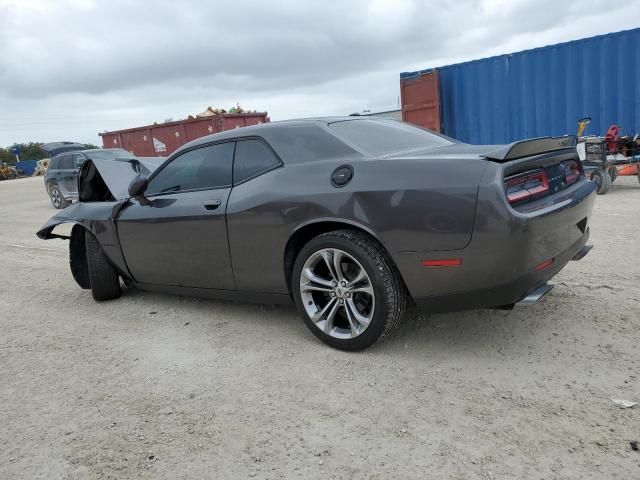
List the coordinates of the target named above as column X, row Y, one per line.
column 337, row 293
column 56, row 197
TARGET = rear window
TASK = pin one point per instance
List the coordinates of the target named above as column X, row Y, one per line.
column 383, row 137
column 110, row 154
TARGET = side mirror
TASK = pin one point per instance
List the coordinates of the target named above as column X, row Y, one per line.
column 137, row 185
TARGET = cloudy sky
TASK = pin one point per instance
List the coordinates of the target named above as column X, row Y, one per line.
column 72, row 68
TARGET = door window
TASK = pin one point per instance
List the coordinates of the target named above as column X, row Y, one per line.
column 66, row 162
column 198, row 169
column 252, row 158
column 78, row 159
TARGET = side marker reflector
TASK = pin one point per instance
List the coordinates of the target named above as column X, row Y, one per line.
column 543, row 265
column 443, row 262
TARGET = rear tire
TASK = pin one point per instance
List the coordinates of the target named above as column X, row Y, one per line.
column 602, row 179
column 613, row 173
column 382, row 306
column 104, row 280
column 57, row 200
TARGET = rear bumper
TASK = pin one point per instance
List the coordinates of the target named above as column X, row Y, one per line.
column 505, row 294
column 499, row 266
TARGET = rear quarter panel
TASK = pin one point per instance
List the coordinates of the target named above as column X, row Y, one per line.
column 410, row 204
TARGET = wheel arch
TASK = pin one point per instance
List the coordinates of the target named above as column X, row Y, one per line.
column 78, row 256
column 46, row 232
column 309, row 230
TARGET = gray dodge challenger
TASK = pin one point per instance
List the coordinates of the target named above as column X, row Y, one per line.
column 352, row 219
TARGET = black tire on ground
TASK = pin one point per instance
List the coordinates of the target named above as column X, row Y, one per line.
column 390, row 292
column 105, row 284
column 57, row 200
column 602, row 179
column 613, row 173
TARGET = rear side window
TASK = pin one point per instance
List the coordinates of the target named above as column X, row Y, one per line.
column 202, row 168
column 252, row 158
column 307, row 143
column 66, row 162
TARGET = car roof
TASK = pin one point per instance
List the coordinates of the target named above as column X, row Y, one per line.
column 103, row 150
column 265, row 128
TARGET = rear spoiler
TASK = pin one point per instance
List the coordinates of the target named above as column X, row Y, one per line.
column 529, row 148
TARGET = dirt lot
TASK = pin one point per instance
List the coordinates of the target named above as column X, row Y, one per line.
column 156, row 386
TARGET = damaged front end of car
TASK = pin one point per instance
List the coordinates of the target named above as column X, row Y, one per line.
column 102, row 193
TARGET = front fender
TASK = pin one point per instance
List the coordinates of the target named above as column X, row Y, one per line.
column 97, row 218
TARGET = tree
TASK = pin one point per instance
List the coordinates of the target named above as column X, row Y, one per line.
column 28, row 151
column 6, row 156
column 32, row 151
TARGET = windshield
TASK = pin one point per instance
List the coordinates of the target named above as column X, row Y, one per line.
column 383, row 137
column 108, row 154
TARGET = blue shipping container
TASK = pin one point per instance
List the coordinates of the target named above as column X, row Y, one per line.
column 27, row 167
column 543, row 91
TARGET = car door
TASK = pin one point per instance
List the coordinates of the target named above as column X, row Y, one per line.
column 51, row 175
column 65, row 176
column 177, row 233
column 71, row 174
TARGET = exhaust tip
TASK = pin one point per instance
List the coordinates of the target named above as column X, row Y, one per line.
column 583, row 251
column 534, row 295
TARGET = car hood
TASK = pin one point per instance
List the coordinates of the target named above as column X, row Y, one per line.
column 106, row 180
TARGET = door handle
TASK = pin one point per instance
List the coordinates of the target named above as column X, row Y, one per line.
column 212, row 204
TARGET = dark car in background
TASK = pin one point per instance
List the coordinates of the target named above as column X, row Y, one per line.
column 61, row 178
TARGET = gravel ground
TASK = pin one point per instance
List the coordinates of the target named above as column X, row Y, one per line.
column 154, row 386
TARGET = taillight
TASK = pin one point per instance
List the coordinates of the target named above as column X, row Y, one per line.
column 526, row 186
column 571, row 171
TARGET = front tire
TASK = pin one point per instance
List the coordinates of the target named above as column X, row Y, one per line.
column 104, row 280
column 347, row 290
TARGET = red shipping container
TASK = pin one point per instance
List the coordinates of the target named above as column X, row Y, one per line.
column 421, row 100
column 160, row 140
